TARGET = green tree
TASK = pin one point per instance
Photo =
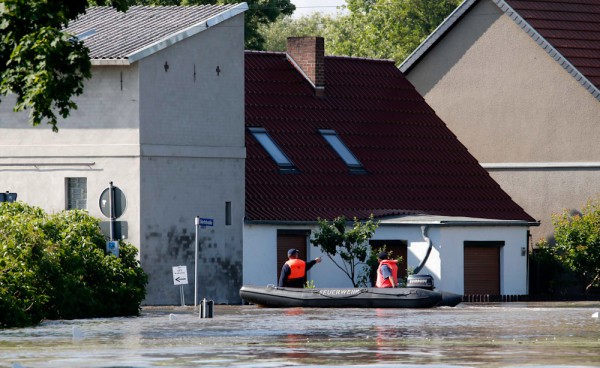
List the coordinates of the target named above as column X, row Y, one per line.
column 40, row 65
column 260, row 13
column 383, row 29
column 577, row 239
column 390, row 29
column 54, row 266
column 351, row 244
column 315, row 24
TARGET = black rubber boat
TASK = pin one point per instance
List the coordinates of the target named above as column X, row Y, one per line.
column 281, row 297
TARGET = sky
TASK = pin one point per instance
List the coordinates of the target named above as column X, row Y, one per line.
column 305, row 7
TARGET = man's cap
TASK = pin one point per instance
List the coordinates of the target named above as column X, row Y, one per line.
column 382, row 255
column 293, row 251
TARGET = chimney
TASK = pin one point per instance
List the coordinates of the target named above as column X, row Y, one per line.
column 308, row 56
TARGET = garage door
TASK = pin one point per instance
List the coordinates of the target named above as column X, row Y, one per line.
column 482, row 267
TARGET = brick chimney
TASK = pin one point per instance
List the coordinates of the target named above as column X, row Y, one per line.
column 308, row 56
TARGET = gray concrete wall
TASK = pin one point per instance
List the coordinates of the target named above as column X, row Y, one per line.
column 509, row 102
column 174, row 144
column 192, row 149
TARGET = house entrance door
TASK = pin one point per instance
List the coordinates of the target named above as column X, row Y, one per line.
column 287, row 240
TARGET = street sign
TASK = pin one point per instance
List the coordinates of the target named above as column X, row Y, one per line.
column 180, row 275
column 112, row 247
column 119, row 205
column 206, row 222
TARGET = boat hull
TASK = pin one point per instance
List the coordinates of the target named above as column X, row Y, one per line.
column 281, row 297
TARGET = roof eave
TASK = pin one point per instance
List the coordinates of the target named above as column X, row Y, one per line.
column 463, row 8
column 174, row 38
column 546, row 46
column 436, row 35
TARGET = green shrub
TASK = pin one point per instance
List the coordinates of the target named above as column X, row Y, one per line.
column 55, row 267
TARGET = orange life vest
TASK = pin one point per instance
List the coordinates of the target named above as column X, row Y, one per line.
column 385, row 283
column 297, row 268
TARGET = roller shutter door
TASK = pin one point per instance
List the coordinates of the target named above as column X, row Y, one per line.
column 482, row 270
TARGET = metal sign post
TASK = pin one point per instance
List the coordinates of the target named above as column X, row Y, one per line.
column 200, row 222
column 197, row 222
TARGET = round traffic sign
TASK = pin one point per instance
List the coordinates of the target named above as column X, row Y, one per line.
column 119, row 205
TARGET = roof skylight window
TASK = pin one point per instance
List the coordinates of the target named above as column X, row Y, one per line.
column 272, row 148
column 341, row 149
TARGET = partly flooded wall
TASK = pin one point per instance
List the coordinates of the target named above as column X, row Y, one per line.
column 192, row 164
column 445, row 262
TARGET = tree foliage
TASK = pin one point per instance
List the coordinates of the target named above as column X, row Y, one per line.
column 54, row 266
column 577, row 238
column 351, row 244
column 260, row 13
column 40, row 65
column 383, row 29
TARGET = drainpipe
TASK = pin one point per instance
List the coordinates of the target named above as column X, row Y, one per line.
column 424, row 229
column 527, row 241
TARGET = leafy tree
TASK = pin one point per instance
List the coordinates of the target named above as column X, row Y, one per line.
column 41, row 65
column 54, row 266
column 391, row 29
column 352, row 244
column 260, row 12
column 577, row 239
column 315, row 24
column 383, row 29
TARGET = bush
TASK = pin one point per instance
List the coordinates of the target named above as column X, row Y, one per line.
column 55, row 267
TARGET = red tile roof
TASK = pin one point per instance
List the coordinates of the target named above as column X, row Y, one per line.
column 570, row 26
column 413, row 161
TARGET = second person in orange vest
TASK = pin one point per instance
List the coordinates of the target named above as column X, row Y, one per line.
column 293, row 272
column 387, row 273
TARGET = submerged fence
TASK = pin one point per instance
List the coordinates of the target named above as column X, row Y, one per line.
column 486, row 298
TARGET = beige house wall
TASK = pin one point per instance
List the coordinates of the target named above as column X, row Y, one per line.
column 511, row 104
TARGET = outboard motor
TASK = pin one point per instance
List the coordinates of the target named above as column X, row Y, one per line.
column 420, row 281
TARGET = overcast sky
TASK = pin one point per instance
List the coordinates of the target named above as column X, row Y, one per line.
column 305, row 7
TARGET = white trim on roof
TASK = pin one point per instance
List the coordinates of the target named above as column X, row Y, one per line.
column 450, row 221
column 449, row 22
column 438, row 33
column 540, row 165
column 174, row 38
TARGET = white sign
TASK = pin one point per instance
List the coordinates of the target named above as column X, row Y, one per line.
column 180, row 275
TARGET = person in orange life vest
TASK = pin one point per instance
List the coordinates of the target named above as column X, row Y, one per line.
column 387, row 273
column 293, row 272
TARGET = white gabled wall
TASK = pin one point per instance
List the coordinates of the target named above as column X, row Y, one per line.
column 193, row 162
column 513, row 266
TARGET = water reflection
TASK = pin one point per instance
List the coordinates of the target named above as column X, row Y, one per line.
column 512, row 334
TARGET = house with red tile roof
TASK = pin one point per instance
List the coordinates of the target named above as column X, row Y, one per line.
column 518, row 82
column 334, row 136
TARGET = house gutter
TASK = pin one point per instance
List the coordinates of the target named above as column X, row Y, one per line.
column 415, row 223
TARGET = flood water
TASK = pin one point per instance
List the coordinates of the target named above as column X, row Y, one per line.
column 471, row 335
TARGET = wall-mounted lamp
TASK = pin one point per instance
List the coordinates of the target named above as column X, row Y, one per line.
column 218, row 70
column 523, row 252
column 166, row 67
